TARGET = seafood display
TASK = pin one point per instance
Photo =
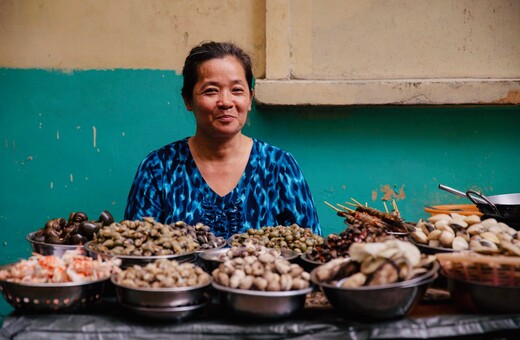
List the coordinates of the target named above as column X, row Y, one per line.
column 373, row 264
column 263, row 273
column 291, row 237
column 143, row 238
column 71, row 267
column 461, row 233
column 76, row 230
column 365, row 224
column 162, row 273
column 202, row 234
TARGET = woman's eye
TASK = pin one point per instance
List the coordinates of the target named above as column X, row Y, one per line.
column 238, row 90
column 209, row 91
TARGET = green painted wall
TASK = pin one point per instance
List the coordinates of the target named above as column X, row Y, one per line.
column 72, row 142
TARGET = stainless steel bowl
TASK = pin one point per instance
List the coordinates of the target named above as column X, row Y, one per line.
column 49, row 248
column 308, row 264
column 51, row 297
column 168, row 313
column 160, row 297
column 212, row 258
column 130, row 260
column 485, row 298
column 390, row 301
column 263, row 304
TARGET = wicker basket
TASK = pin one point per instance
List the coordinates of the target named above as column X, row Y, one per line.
column 484, row 269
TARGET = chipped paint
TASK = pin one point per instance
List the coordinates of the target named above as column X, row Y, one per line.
column 390, row 193
column 58, row 134
column 71, row 178
column 52, row 185
column 94, row 136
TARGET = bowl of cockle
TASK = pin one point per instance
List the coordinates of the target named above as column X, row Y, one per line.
column 55, row 284
column 165, row 289
column 379, row 281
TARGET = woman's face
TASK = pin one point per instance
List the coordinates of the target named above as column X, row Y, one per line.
column 221, row 98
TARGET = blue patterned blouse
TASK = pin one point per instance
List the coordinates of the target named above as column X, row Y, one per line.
column 272, row 191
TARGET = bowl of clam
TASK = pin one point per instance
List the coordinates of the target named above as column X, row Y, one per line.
column 163, row 289
column 379, row 281
column 444, row 233
column 264, row 286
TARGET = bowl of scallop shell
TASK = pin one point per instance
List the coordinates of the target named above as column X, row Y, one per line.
column 380, row 281
column 163, row 289
column 266, row 286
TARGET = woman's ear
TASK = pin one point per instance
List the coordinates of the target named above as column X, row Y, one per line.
column 187, row 103
column 251, row 102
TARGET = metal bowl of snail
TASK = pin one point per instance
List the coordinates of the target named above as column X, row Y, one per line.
column 44, row 248
column 263, row 286
column 161, row 284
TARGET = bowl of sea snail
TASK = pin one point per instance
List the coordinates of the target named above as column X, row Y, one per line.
column 264, row 286
column 143, row 241
column 380, row 280
column 163, row 288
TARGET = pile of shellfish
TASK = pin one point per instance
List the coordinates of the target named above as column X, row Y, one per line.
column 77, row 229
column 202, row 234
column 462, row 233
column 162, row 273
column 291, row 237
column 264, row 273
column 378, row 263
column 143, row 238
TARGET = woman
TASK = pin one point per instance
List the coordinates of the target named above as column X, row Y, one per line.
column 219, row 176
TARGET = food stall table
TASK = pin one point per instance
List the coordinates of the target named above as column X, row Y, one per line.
column 108, row 320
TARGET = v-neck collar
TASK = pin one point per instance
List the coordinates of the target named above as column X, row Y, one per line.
column 206, row 189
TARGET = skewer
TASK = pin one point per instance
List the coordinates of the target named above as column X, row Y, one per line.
column 386, row 207
column 352, row 204
column 330, row 205
column 395, row 206
column 344, row 207
column 356, row 201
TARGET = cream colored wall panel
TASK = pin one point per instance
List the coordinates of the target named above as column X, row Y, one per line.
column 396, row 39
column 155, row 34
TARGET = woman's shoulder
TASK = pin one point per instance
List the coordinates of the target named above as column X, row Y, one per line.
column 178, row 149
column 265, row 148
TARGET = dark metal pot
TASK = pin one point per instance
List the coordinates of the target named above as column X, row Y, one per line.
column 505, row 208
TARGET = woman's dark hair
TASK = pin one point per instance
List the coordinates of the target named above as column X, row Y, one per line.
column 212, row 50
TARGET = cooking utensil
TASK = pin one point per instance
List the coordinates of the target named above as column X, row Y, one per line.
column 505, row 207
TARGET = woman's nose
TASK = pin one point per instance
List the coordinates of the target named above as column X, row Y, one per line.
column 225, row 99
